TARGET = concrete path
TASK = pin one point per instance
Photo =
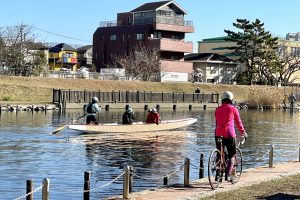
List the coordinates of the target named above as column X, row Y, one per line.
column 201, row 188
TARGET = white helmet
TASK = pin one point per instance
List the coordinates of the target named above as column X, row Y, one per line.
column 95, row 99
column 227, row 95
column 154, row 110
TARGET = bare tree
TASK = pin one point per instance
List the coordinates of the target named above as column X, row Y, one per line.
column 18, row 53
column 140, row 62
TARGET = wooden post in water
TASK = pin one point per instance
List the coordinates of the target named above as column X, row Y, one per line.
column 29, row 189
column 174, row 107
column 186, row 172
column 190, row 107
column 45, row 191
column 271, row 155
column 86, row 187
column 131, row 170
column 166, row 179
column 126, row 182
column 201, row 168
column 204, row 107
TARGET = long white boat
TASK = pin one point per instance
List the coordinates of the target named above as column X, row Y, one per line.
column 134, row 127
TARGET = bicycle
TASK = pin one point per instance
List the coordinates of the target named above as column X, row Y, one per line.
column 217, row 165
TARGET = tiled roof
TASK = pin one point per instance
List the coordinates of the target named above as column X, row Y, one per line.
column 207, row 57
column 60, row 47
column 84, row 48
column 150, row 6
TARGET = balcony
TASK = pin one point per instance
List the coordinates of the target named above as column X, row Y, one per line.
column 172, row 45
column 176, row 66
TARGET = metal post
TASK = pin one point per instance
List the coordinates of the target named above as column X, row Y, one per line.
column 86, row 186
column 201, row 169
column 186, row 172
column 126, row 182
column 271, row 155
column 29, row 189
column 45, row 191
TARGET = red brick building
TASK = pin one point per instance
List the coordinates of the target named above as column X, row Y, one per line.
column 157, row 24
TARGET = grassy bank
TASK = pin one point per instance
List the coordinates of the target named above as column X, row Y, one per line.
column 284, row 188
column 35, row 90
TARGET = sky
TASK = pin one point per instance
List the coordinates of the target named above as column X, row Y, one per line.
column 74, row 22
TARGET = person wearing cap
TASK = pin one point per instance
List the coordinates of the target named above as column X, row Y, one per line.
column 227, row 116
column 128, row 116
column 91, row 110
column 153, row 116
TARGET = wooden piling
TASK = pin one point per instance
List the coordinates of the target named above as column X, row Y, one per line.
column 29, row 189
column 204, row 107
column 126, row 182
column 166, row 180
column 174, row 107
column 45, row 190
column 186, row 172
column 131, row 170
column 271, row 156
column 201, row 167
column 190, row 107
column 146, row 107
column 106, row 107
column 86, row 187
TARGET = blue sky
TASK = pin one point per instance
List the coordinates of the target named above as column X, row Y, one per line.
column 79, row 19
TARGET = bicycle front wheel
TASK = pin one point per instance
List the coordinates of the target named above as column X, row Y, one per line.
column 215, row 170
column 238, row 165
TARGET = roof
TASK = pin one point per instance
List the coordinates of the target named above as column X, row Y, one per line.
column 61, row 47
column 215, row 39
column 156, row 6
column 84, row 48
column 208, row 57
column 36, row 46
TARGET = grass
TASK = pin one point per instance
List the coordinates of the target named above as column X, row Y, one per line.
column 283, row 188
column 32, row 89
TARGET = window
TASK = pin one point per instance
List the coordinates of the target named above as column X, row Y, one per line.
column 139, row 36
column 113, row 37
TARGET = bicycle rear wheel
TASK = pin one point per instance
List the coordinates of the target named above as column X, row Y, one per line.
column 238, row 166
column 215, row 170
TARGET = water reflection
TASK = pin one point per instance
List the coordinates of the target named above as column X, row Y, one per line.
column 27, row 151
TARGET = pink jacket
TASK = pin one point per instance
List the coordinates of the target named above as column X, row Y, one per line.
column 226, row 115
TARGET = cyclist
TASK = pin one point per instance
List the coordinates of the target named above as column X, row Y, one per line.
column 227, row 116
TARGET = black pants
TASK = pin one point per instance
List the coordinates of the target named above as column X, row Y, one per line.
column 91, row 118
column 229, row 143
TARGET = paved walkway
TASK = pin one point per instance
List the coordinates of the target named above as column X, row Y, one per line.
column 201, row 188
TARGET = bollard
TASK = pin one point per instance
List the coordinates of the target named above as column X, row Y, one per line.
column 29, row 190
column 126, row 182
column 174, row 107
column 201, row 168
column 106, row 107
column 157, row 107
column 86, row 186
column 271, row 155
column 45, row 190
column 166, row 179
column 186, row 172
column 131, row 170
column 204, row 107
column 146, row 107
column 190, row 107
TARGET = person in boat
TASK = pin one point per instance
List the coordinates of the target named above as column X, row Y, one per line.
column 153, row 116
column 91, row 110
column 128, row 116
column 226, row 116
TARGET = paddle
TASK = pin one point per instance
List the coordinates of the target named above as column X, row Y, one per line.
column 64, row 126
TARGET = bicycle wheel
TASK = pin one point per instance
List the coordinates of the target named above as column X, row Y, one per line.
column 215, row 170
column 238, row 166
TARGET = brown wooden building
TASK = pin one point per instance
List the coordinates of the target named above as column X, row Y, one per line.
column 157, row 24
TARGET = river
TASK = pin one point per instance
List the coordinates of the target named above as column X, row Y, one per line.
column 28, row 151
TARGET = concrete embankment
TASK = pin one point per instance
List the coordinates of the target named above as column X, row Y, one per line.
column 201, row 188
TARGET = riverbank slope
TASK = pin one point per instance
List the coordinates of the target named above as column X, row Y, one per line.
column 39, row 90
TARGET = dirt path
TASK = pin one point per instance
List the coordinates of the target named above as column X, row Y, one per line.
column 201, row 188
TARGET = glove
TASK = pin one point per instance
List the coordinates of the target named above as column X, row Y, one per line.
column 245, row 135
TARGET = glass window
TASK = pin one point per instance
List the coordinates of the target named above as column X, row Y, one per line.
column 139, row 36
column 113, row 37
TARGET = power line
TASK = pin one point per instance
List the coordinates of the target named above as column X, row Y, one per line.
column 64, row 36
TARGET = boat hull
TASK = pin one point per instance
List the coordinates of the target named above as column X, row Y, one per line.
column 135, row 127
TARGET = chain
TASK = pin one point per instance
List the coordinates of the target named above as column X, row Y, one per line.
column 288, row 154
column 158, row 178
column 26, row 195
column 94, row 189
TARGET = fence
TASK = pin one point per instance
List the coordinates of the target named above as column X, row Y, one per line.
column 76, row 96
column 128, row 173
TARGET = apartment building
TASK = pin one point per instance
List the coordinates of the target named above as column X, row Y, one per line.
column 159, row 25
